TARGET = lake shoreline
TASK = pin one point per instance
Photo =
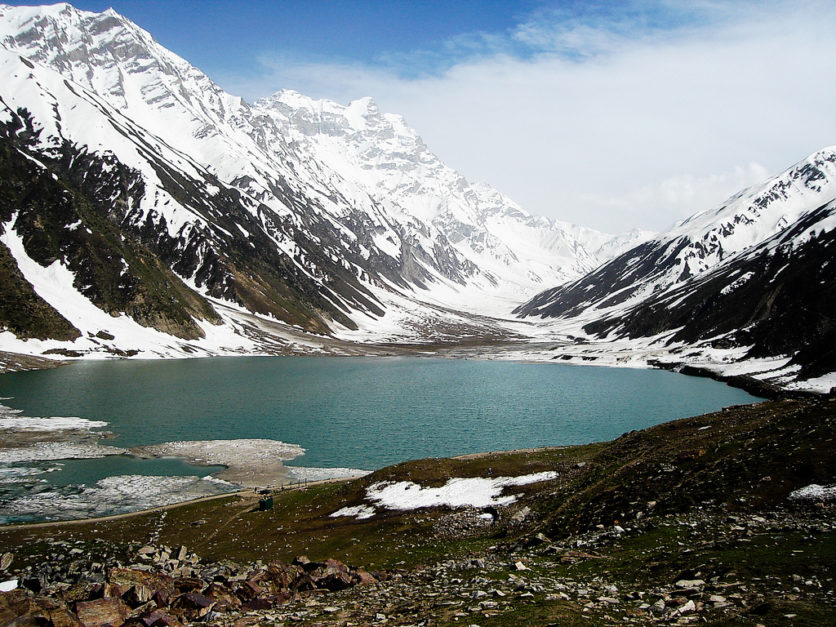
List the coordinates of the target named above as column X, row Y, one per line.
column 248, row 469
column 18, row 362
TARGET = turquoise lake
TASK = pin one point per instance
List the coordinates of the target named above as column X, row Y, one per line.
column 356, row 412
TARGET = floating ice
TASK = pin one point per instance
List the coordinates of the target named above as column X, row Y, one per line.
column 113, row 495
column 57, row 423
column 42, row 451
column 226, row 452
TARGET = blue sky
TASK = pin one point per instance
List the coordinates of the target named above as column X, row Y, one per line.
column 610, row 114
column 225, row 35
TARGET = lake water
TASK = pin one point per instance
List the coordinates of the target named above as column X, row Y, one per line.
column 364, row 412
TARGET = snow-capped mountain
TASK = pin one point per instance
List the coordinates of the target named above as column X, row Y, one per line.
column 757, row 273
column 392, row 163
column 324, row 216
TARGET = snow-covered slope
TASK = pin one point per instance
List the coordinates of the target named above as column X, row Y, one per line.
column 390, row 161
column 754, row 273
column 330, row 217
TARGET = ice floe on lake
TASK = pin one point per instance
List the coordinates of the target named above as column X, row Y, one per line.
column 475, row 492
column 113, row 495
column 43, row 451
column 250, row 463
column 58, row 423
column 11, row 419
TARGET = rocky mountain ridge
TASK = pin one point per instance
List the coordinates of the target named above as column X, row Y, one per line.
column 754, row 274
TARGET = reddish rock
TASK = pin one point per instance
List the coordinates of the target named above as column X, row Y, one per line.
column 80, row 592
column 101, row 612
column 364, row 578
column 261, row 603
column 13, row 605
column 53, row 612
column 138, row 595
column 282, row 575
column 225, row 600
column 162, row 597
column 113, row 591
column 303, row 583
column 251, row 589
column 332, row 575
column 188, row 584
column 193, row 601
column 158, row 619
column 258, row 575
column 129, row 577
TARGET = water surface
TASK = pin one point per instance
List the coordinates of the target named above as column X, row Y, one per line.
column 364, row 412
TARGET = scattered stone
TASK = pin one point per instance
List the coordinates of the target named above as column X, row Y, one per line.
column 690, row 583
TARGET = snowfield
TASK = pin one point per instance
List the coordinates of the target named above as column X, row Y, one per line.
column 458, row 492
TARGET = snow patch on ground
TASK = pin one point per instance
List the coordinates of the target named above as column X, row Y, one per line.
column 476, row 492
column 360, row 512
column 814, row 492
column 821, row 384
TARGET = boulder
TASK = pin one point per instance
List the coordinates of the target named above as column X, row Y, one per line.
column 188, row 584
column 281, row 574
column 257, row 604
column 101, row 612
column 129, row 577
column 363, row 577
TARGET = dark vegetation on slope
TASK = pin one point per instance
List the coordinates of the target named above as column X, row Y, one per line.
column 787, row 306
column 22, row 311
column 104, row 195
column 702, row 501
column 783, row 304
column 60, row 221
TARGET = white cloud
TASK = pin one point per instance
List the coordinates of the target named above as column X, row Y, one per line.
column 606, row 128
